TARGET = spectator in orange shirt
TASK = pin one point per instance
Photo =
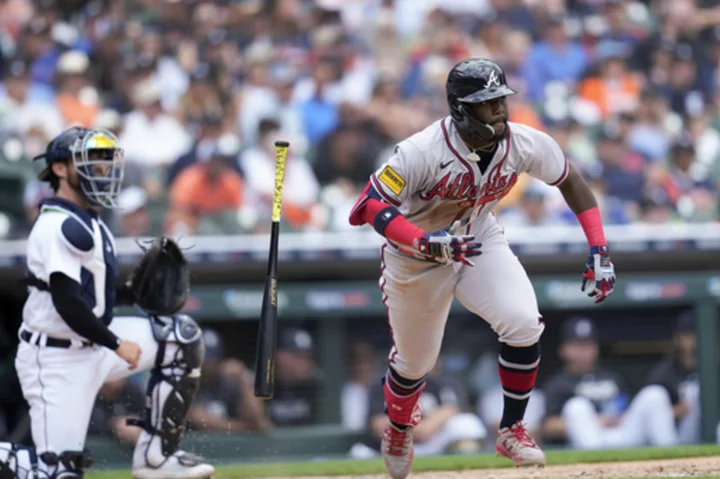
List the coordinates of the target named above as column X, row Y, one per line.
column 615, row 90
column 77, row 100
column 522, row 111
column 209, row 187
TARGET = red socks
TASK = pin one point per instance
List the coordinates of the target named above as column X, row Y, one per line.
column 401, row 396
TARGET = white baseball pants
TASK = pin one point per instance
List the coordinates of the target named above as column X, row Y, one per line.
column 648, row 421
column 60, row 385
column 418, row 296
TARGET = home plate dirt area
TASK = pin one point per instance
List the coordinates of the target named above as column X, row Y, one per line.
column 691, row 467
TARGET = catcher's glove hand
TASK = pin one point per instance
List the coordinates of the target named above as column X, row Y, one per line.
column 161, row 282
column 599, row 275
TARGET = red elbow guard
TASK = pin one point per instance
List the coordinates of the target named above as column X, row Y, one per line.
column 357, row 214
column 385, row 218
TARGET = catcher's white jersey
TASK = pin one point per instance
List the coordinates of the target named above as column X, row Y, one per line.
column 67, row 239
column 430, row 179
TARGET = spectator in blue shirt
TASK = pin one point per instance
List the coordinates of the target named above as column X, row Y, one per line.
column 556, row 58
column 319, row 115
column 40, row 48
column 619, row 34
column 623, row 170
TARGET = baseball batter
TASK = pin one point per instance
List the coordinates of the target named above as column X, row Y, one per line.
column 70, row 342
column 433, row 201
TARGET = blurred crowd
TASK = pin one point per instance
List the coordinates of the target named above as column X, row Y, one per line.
column 199, row 90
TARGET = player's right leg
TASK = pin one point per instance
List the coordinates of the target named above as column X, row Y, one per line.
column 648, row 421
column 582, row 425
column 60, row 387
column 418, row 296
column 689, row 425
column 173, row 351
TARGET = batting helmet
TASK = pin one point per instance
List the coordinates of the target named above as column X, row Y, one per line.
column 474, row 81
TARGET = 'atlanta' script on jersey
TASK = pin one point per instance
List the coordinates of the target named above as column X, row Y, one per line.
column 431, row 182
column 461, row 187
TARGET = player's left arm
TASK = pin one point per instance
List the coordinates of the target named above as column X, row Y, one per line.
column 548, row 163
column 599, row 275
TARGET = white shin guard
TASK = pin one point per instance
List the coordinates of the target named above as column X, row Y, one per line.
column 164, row 423
column 170, row 393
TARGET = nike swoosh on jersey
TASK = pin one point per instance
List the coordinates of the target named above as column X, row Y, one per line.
column 445, row 165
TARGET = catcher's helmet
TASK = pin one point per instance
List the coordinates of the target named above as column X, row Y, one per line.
column 98, row 161
column 59, row 149
column 474, row 81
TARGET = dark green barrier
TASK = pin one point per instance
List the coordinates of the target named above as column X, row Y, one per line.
column 317, row 300
column 333, row 303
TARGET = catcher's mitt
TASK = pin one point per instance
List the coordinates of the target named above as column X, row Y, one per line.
column 161, row 282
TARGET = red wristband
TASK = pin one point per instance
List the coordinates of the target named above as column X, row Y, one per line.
column 591, row 223
column 400, row 230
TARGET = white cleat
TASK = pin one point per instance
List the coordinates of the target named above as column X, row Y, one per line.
column 397, row 451
column 181, row 465
column 397, row 447
column 516, row 444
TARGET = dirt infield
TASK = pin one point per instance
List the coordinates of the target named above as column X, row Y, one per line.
column 706, row 466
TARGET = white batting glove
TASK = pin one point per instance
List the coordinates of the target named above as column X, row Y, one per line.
column 446, row 248
column 599, row 275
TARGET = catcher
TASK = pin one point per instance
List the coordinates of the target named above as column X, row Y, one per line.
column 70, row 342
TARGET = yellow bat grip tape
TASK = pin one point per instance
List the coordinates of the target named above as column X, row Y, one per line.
column 281, row 150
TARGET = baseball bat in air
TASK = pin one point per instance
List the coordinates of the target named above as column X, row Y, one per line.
column 268, row 327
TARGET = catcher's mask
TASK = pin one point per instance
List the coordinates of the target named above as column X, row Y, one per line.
column 98, row 161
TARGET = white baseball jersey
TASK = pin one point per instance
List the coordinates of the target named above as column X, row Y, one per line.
column 431, row 181
column 68, row 239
